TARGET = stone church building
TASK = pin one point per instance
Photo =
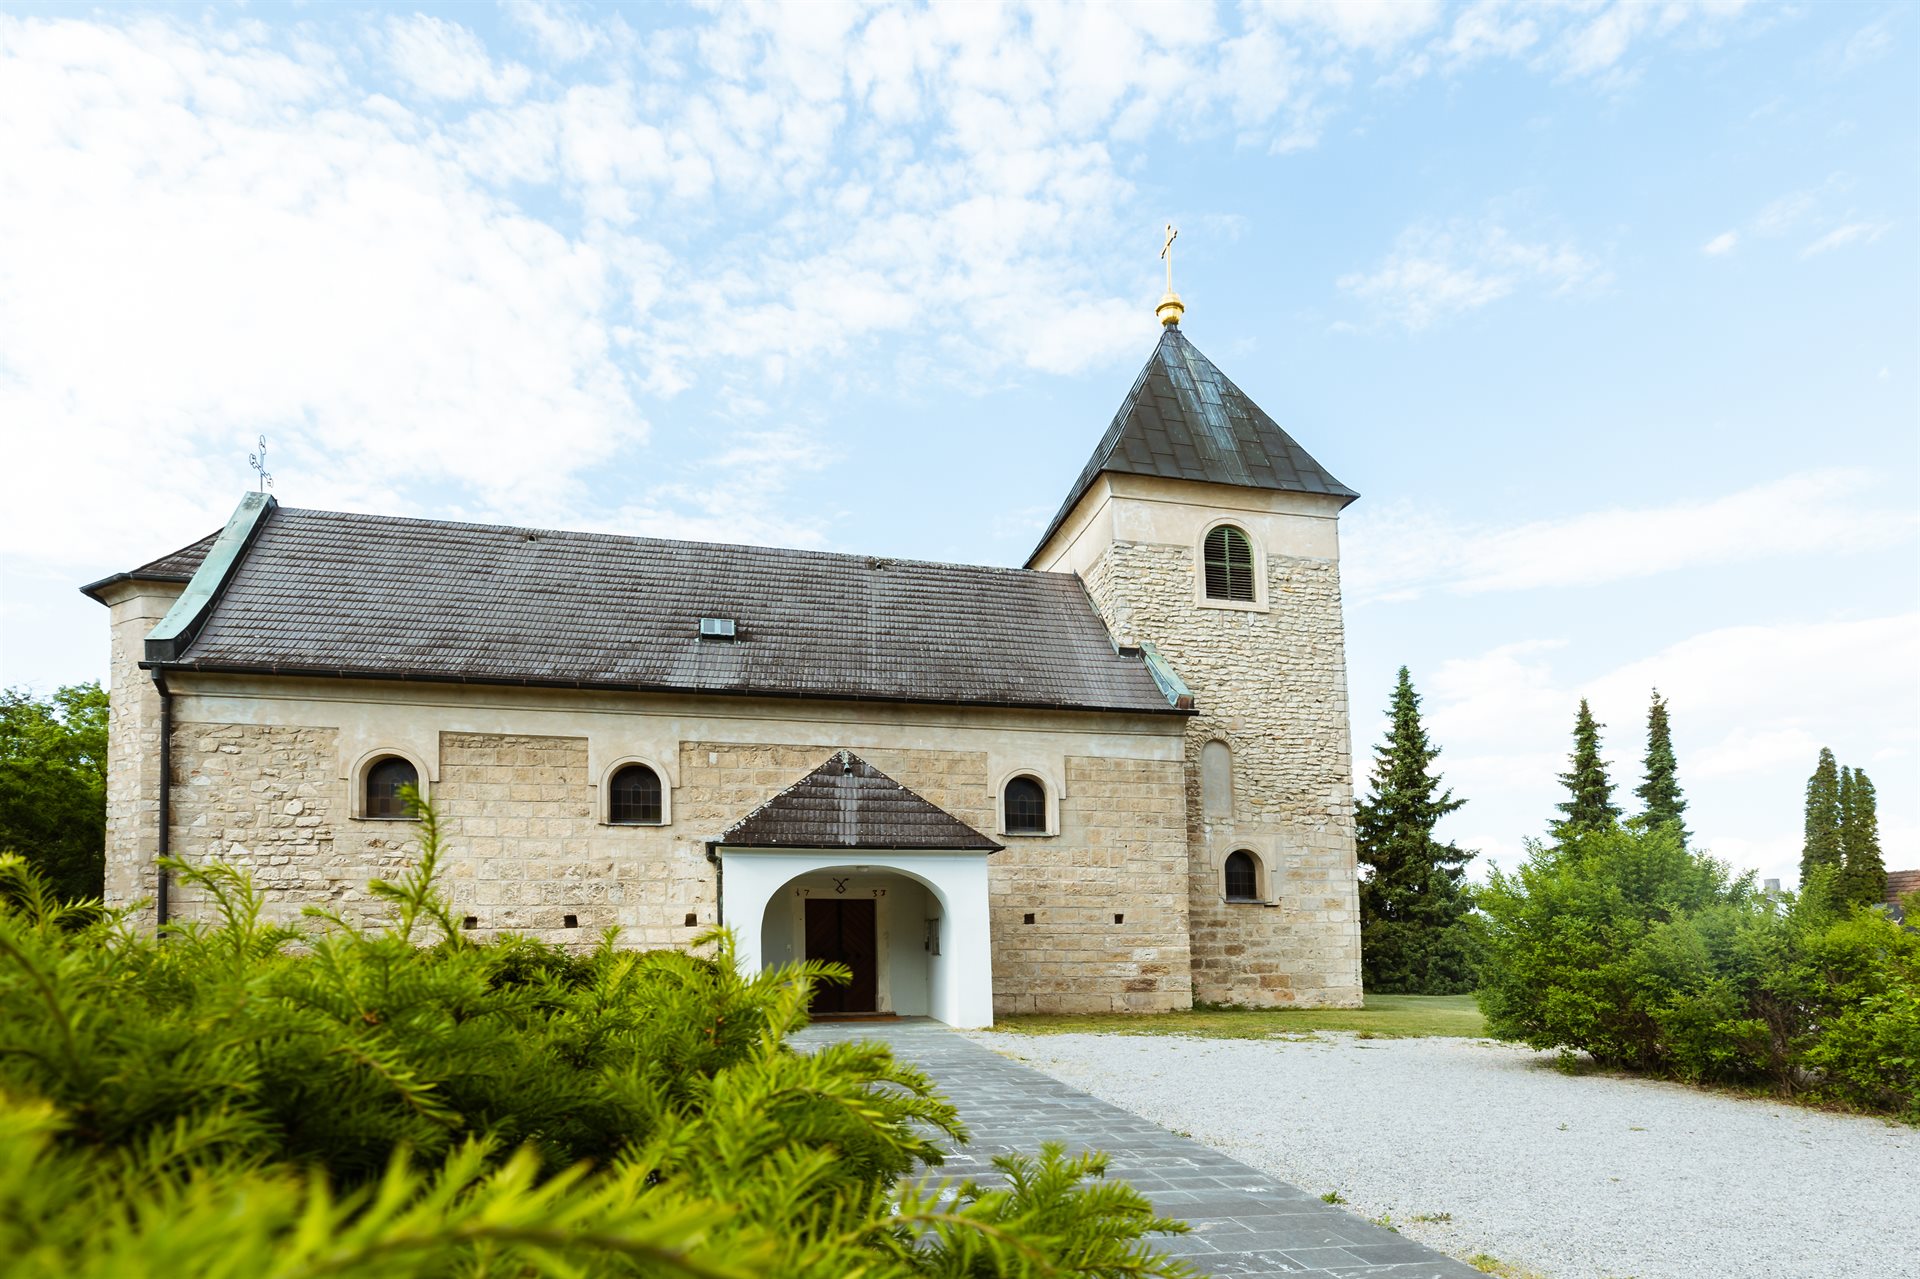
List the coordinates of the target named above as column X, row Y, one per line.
column 1114, row 779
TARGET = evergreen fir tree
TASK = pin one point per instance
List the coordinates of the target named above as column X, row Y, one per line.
column 1414, row 932
column 1590, row 805
column 1863, row 875
column 1821, row 846
column 1660, row 792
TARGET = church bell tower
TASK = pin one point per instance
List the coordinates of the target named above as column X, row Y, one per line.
column 1209, row 538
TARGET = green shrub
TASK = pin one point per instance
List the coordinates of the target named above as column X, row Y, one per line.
column 1622, row 944
column 242, row 1098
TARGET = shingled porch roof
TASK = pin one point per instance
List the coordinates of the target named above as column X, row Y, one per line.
column 848, row 803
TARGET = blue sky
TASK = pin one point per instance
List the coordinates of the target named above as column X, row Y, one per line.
column 1608, row 309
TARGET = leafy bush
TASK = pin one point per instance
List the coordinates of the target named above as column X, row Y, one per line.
column 240, row 1098
column 1622, row 944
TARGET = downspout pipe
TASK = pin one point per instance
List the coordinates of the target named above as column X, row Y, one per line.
column 719, row 882
column 166, row 798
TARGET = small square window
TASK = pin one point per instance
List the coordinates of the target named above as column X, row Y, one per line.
column 1119, row 919
column 570, row 921
column 1026, row 919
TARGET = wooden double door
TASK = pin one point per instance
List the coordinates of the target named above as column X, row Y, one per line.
column 844, row 931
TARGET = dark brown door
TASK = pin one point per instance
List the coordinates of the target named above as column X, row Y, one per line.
column 841, row 929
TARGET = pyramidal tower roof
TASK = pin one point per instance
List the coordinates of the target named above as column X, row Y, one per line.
column 1185, row 420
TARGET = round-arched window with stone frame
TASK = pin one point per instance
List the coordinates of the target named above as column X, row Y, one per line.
column 634, row 797
column 1243, row 877
column 1228, row 559
column 389, row 782
column 1024, row 804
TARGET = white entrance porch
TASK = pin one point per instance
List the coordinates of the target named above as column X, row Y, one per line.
column 929, row 949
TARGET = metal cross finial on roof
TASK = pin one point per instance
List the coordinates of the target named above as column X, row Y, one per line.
column 1171, row 308
column 258, row 461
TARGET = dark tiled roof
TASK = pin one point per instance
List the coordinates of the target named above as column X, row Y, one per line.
column 848, row 803
column 174, row 566
column 178, row 565
column 325, row 593
column 1185, row 420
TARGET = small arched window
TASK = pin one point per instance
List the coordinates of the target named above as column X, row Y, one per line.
column 1026, row 807
column 1243, row 880
column 1229, row 564
column 388, row 780
column 635, row 797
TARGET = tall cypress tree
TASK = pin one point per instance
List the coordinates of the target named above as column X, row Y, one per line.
column 1590, row 804
column 1413, row 905
column 1821, row 846
column 1660, row 792
column 1863, row 874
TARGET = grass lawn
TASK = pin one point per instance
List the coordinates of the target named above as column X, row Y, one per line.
column 1385, row 1016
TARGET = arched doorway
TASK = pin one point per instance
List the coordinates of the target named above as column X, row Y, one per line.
column 885, row 927
column 914, row 925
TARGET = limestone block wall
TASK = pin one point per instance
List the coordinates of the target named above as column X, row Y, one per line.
column 529, row 850
column 525, row 848
column 1120, row 850
column 1272, row 685
column 133, row 744
column 1107, row 895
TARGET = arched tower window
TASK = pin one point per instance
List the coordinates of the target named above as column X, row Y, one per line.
column 1229, row 564
column 386, row 780
column 634, row 797
column 1025, row 803
column 1216, row 779
column 1243, row 878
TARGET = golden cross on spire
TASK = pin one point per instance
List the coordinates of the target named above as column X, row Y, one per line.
column 1171, row 308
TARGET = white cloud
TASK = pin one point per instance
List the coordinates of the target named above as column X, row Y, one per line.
column 1725, row 242
column 1359, row 24
column 324, row 276
column 445, row 60
column 1600, row 43
column 1434, row 273
column 1789, row 211
column 1812, row 207
column 559, row 31
column 1845, row 234
column 1751, row 706
column 1400, row 553
column 418, row 264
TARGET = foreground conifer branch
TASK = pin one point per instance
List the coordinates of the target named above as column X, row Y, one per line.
column 244, row 1097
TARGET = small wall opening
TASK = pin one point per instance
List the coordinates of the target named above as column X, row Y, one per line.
column 1216, row 779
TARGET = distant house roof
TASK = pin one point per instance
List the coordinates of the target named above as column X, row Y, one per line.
column 1900, row 883
column 848, row 803
column 334, row 594
column 174, row 566
column 1185, row 420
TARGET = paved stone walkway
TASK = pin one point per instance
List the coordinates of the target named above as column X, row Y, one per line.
column 1244, row 1222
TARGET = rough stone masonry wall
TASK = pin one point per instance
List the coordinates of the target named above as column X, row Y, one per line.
column 133, row 749
column 523, row 847
column 1272, row 686
column 1121, row 850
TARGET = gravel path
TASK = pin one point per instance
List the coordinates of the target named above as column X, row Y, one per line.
column 1585, row 1177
